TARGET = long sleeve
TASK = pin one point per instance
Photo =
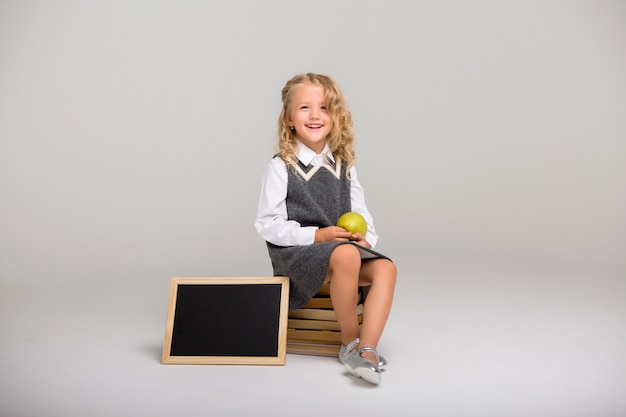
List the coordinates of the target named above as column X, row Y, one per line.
column 357, row 198
column 271, row 222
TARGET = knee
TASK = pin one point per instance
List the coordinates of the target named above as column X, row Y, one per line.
column 390, row 271
column 345, row 257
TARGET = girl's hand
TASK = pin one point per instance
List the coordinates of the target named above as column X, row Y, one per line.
column 359, row 239
column 331, row 234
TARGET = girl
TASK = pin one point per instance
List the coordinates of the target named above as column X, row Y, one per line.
column 306, row 187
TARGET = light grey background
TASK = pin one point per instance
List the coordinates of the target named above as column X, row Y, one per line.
column 133, row 135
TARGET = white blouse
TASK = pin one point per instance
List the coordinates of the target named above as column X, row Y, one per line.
column 271, row 220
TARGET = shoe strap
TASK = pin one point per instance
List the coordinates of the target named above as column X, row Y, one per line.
column 371, row 350
column 350, row 346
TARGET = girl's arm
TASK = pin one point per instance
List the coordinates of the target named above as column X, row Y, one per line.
column 357, row 197
column 271, row 220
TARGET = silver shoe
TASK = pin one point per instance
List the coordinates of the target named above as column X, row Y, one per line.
column 343, row 352
column 362, row 367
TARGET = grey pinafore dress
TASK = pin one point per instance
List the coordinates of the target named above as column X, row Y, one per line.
column 316, row 196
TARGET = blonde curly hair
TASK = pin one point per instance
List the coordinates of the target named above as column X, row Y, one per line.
column 341, row 136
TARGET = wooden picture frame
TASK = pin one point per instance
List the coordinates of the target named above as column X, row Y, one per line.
column 227, row 321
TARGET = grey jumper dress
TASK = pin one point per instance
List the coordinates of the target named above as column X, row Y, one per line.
column 316, row 196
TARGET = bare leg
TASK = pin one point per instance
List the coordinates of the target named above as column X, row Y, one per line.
column 380, row 274
column 346, row 273
column 343, row 274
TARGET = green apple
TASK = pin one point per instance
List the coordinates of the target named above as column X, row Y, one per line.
column 353, row 222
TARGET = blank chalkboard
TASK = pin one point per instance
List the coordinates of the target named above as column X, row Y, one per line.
column 227, row 321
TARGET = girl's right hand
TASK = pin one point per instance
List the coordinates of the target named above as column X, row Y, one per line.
column 331, row 234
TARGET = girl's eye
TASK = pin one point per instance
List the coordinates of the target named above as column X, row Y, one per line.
column 324, row 108
column 304, row 107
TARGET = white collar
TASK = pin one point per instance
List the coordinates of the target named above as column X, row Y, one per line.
column 306, row 155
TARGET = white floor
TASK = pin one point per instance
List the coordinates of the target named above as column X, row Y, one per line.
column 466, row 338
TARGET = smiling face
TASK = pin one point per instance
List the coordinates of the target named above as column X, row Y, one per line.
column 308, row 115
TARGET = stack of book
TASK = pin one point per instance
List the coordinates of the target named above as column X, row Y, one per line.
column 313, row 329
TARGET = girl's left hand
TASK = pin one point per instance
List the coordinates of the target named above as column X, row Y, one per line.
column 359, row 239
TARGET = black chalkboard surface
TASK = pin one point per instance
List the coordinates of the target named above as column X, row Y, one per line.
column 227, row 321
